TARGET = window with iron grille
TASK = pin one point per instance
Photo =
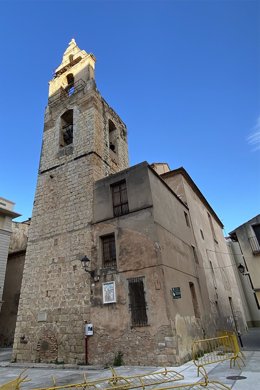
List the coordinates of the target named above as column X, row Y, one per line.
column 109, row 251
column 137, row 301
column 255, row 239
column 119, row 196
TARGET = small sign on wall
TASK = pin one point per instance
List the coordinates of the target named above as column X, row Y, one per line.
column 176, row 292
column 109, row 292
column 42, row 316
column 89, row 330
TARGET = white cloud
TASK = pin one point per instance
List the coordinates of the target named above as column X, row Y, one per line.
column 254, row 138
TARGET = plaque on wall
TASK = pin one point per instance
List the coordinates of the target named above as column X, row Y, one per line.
column 109, row 292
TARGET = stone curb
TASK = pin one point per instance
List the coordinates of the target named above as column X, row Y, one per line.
column 71, row 366
column 51, row 366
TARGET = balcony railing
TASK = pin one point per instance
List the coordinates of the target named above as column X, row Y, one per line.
column 254, row 245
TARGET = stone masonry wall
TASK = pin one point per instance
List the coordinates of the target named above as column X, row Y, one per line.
column 138, row 345
column 55, row 294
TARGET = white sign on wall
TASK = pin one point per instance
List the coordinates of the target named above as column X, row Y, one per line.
column 89, row 330
column 109, row 292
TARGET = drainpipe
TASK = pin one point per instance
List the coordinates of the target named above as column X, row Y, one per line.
column 86, row 349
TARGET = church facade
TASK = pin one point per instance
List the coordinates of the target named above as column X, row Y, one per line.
column 152, row 246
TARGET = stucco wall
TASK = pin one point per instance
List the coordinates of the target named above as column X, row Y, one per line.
column 19, row 237
column 153, row 241
column 243, row 254
column 13, row 280
column 245, row 287
column 136, row 178
column 5, row 233
column 137, row 256
column 216, row 262
column 180, row 267
column 4, row 244
column 243, row 233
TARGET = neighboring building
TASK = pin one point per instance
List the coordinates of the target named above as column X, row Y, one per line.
column 245, row 244
column 6, row 216
column 13, row 281
column 212, row 250
column 155, row 280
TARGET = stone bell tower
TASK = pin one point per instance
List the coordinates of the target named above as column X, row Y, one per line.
column 83, row 141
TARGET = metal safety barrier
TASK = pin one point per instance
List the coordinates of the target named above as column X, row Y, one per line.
column 116, row 381
column 235, row 341
column 15, row 383
column 200, row 385
column 216, row 350
column 155, row 381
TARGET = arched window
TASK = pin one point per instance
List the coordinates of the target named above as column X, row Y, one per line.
column 70, row 81
column 66, row 133
column 112, row 136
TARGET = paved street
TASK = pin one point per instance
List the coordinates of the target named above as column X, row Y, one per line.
column 5, row 354
column 251, row 340
column 41, row 374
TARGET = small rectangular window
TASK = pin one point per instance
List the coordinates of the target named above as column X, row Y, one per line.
column 120, row 200
column 137, row 302
column 212, row 228
column 213, row 275
column 195, row 254
column 187, row 219
column 109, row 251
column 217, row 309
column 194, row 300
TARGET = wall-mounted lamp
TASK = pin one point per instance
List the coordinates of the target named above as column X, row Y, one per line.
column 85, row 262
column 241, row 269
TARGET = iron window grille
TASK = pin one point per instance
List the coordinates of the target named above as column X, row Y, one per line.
column 255, row 246
column 109, row 251
column 137, row 301
column 255, row 240
column 120, row 200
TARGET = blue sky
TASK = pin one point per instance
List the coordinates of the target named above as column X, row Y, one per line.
column 183, row 76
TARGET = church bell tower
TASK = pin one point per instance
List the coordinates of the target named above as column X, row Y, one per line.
column 83, row 140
